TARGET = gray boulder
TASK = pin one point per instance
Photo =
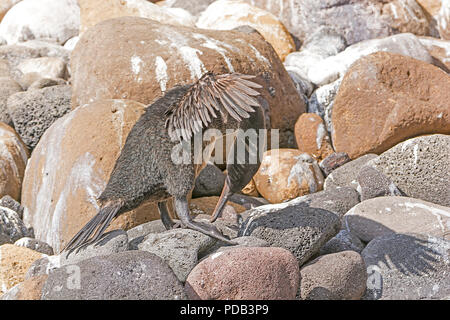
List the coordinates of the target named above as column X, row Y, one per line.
column 34, row 111
column 7, row 88
column 34, row 244
column 131, row 275
column 407, row 267
column 179, row 248
column 209, row 182
column 292, row 225
column 343, row 241
column 12, row 227
column 387, row 215
column 346, row 175
column 419, row 167
column 372, row 183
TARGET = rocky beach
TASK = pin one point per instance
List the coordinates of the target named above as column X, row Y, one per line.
column 353, row 203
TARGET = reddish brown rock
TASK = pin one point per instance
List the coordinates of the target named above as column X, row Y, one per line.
column 14, row 263
column 227, row 15
column 70, row 167
column 141, row 65
column 336, row 276
column 13, row 159
column 312, row 136
column 245, row 274
column 387, row 98
column 333, row 161
column 286, row 174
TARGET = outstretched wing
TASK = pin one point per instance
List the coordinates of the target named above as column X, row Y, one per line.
column 227, row 94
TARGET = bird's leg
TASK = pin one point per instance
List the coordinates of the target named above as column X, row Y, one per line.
column 182, row 208
column 242, row 164
column 167, row 221
column 224, row 196
column 164, row 214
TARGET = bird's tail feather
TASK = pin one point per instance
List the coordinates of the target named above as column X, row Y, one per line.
column 95, row 227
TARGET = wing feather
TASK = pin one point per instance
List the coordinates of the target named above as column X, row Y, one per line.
column 230, row 94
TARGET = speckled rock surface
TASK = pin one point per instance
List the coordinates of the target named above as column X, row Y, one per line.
column 209, row 182
column 131, row 275
column 179, row 248
column 7, row 88
column 34, row 111
column 333, row 161
column 346, row 175
column 336, row 276
column 8, row 202
column 293, row 225
column 245, row 273
column 372, row 183
column 36, row 245
column 419, row 167
column 312, row 137
column 367, row 117
column 11, row 226
column 407, row 267
column 30, row 289
column 111, row 242
column 343, row 241
column 14, row 263
column 387, row 215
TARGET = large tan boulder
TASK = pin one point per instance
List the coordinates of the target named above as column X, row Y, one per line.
column 227, row 15
column 286, row 174
column 13, row 159
column 95, row 11
column 14, row 263
column 386, row 98
column 70, row 166
column 150, row 58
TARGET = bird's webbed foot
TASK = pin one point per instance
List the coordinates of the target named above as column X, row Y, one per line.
column 182, row 208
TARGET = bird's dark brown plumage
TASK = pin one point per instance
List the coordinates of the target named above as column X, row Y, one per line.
column 145, row 170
